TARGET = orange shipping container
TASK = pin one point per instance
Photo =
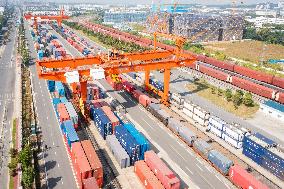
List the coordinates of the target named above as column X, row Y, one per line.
column 63, row 114
column 146, row 176
column 94, row 161
column 90, row 183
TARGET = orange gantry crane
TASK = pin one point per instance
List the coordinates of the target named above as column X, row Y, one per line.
column 124, row 63
column 59, row 18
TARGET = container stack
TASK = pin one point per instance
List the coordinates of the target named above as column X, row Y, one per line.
column 51, row 85
column 263, row 151
column 59, row 88
column 93, row 92
column 113, row 119
column 118, row 151
column 141, row 97
column 230, row 133
column 156, row 84
column 115, row 83
column 101, row 121
column 177, row 100
column 161, row 170
column 72, row 113
column 128, row 142
column 196, row 113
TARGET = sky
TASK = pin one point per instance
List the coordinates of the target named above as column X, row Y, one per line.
column 166, row 1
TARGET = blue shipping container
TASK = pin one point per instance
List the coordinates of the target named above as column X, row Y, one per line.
column 51, row 85
column 252, row 155
column 60, row 88
column 102, row 122
column 71, row 134
column 140, row 139
column 220, row 161
column 63, row 99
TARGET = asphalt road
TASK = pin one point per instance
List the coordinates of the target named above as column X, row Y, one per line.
column 7, row 83
column 177, row 84
column 57, row 165
column 197, row 170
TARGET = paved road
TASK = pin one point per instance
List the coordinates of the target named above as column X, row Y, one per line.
column 7, row 83
column 57, row 165
column 178, row 81
column 196, row 169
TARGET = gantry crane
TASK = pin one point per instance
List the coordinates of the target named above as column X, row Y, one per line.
column 124, row 63
column 59, row 18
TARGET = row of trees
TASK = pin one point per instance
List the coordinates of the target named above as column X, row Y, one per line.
column 108, row 40
column 238, row 97
column 273, row 35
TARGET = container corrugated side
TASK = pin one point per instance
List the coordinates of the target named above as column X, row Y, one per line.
column 202, row 147
column 187, row 135
column 220, row 161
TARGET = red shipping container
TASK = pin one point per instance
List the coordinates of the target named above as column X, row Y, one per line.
column 63, row 114
column 144, row 100
column 252, row 87
column 201, row 58
column 214, row 73
column 90, row 183
column 219, row 64
column 243, row 179
column 278, row 81
column 94, row 161
column 161, row 170
column 193, row 65
column 81, row 164
column 281, row 97
column 114, row 120
column 146, row 176
column 253, row 74
column 137, row 94
column 128, row 87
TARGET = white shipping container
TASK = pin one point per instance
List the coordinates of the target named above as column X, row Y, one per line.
column 200, row 120
column 215, row 131
column 176, row 104
column 235, row 143
column 234, row 132
column 217, row 122
column 189, row 105
column 201, row 113
column 177, row 97
column 187, row 112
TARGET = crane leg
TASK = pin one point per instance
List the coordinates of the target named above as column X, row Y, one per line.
column 147, row 77
column 83, row 86
column 167, row 76
column 74, row 87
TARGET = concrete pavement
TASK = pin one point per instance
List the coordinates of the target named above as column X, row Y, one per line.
column 57, row 166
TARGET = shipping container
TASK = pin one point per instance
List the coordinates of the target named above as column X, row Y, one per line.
column 161, row 170
column 237, row 144
column 51, row 85
column 72, row 113
column 233, row 132
column 214, row 130
column 118, row 151
column 146, row 176
column 201, row 121
column 272, row 167
column 278, row 81
column 187, row 135
column 201, row 113
column 90, row 183
column 217, row 122
column 252, row 155
column 71, row 134
column 260, row 76
column 59, row 88
column 221, row 162
column 214, row 73
column 113, row 119
column 241, row 178
column 62, row 112
column 174, row 125
column 101, row 121
column 219, row 64
column 188, row 112
column 202, row 147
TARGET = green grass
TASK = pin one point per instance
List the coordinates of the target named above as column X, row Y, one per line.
column 203, row 89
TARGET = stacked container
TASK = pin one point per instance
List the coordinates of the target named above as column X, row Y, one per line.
column 128, row 142
column 72, row 113
column 162, row 172
column 93, row 91
column 51, row 85
column 62, row 112
column 102, row 122
column 113, row 119
column 118, row 151
column 59, row 88
column 70, row 134
column 196, row 113
column 177, row 100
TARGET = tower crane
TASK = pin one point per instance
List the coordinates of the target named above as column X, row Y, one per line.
column 59, row 18
column 86, row 68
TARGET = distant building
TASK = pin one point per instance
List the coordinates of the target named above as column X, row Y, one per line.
column 273, row 13
column 1, row 10
column 123, row 16
column 260, row 21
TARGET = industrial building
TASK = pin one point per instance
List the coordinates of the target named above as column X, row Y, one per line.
column 125, row 16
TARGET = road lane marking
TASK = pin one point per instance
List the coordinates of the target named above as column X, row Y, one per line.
column 178, row 153
column 55, row 152
column 218, row 178
column 199, row 167
column 189, row 170
column 148, row 124
column 58, row 165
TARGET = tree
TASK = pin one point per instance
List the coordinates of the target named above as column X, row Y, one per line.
column 13, row 166
column 28, row 177
column 220, row 92
column 247, row 99
column 25, row 156
column 213, row 90
column 238, row 98
column 228, row 94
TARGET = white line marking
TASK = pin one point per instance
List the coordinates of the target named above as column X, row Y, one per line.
column 218, row 178
column 53, row 143
column 58, row 165
column 199, row 167
column 189, row 170
column 55, row 152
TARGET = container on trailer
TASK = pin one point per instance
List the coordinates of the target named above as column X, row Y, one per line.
column 146, row 176
column 215, row 131
column 71, row 134
column 202, row 147
column 161, row 170
column 94, row 161
column 221, row 162
column 80, row 163
column 90, row 183
column 217, row 122
column 140, row 139
column 128, row 142
column 118, row 151
column 187, row 135
column 72, row 113
column 237, row 144
column 174, row 125
column 62, row 112
column 241, row 178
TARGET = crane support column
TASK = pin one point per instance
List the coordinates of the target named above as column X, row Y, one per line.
column 167, row 76
column 83, row 85
column 147, row 77
column 74, row 87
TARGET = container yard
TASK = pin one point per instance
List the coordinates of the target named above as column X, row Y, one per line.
column 95, row 106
